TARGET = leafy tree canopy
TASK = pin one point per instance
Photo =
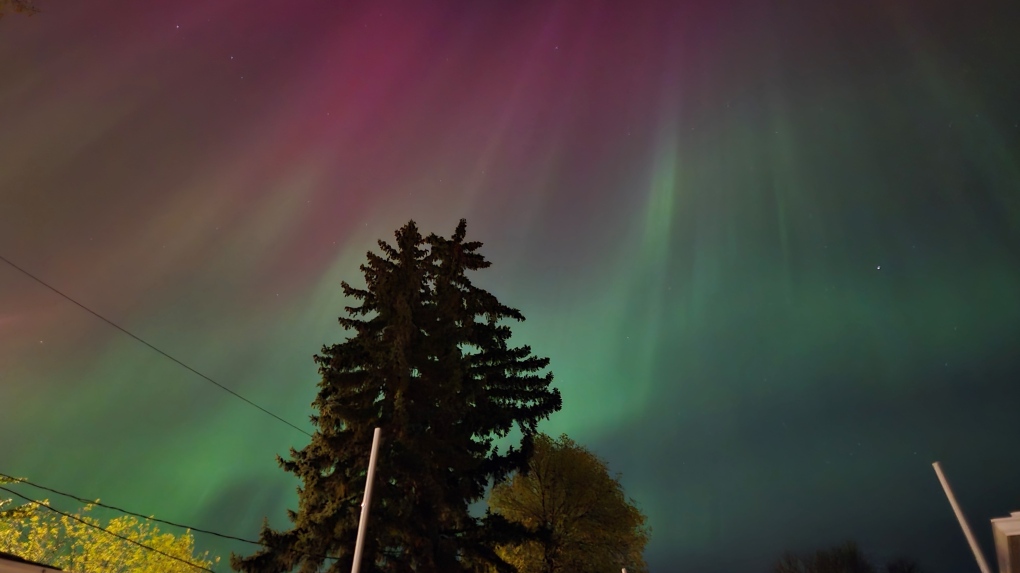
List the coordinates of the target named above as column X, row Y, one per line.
column 33, row 532
column 428, row 360
column 585, row 522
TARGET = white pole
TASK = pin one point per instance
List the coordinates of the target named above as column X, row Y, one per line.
column 982, row 564
column 359, row 544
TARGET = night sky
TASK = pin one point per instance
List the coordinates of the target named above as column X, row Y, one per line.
column 771, row 248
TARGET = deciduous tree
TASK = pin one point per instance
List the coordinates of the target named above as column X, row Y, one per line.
column 33, row 532
column 585, row 522
column 428, row 360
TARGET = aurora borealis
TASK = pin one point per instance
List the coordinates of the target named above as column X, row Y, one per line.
column 772, row 249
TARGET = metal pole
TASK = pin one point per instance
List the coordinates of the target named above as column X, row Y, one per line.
column 982, row 564
column 360, row 543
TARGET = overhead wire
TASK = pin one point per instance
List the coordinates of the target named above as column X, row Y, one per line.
column 125, row 511
column 150, row 345
column 121, row 510
column 107, row 531
column 151, row 518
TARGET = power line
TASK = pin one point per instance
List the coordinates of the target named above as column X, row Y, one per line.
column 149, row 517
column 80, row 520
column 124, row 511
column 139, row 339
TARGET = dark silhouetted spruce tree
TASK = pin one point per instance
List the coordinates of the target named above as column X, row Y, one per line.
column 428, row 361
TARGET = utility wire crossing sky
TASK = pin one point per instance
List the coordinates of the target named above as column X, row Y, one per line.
column 780, row 239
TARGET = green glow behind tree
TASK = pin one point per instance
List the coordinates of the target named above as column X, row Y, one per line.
column 429, row 362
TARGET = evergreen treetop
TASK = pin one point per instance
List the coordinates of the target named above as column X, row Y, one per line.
column 428, row 361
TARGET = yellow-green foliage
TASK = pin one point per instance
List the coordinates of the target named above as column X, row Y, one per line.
column 33, row 532
column 590, row 525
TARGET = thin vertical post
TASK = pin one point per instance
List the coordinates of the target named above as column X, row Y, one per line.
column 360, row 542
column 982, row 564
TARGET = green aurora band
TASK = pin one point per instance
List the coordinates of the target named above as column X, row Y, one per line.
column 772, row 252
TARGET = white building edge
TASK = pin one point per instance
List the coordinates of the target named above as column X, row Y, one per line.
column 1006, row 531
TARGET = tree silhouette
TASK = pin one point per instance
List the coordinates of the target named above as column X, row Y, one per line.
column 429, row 362
column 845, row 558
column 902, row 565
